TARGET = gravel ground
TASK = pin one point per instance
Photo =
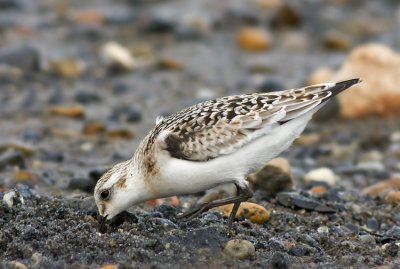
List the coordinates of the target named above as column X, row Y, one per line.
column 52, row 159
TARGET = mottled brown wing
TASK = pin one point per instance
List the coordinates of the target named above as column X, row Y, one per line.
column 222, row 126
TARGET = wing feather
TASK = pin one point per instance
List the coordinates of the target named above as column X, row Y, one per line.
column 220, row 127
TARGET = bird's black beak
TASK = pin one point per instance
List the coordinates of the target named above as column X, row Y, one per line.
column 102, row 223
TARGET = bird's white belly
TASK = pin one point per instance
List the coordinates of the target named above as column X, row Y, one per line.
column 184, row 177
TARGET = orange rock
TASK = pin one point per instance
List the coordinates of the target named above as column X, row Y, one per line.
column 68, row 111
column 393, row 197
column 379, row 94
column 307, row 139
column 66, row 68
column 321, row 75
column 253, row 212
column 253, row 39
column 89, row 17
column 336, row 41
column 24, row 176
column 120, row 134
column 318, row 190
column 170, row 64
column 174, row 201
column 93, row 128
column 109, row 266
column 381, row 188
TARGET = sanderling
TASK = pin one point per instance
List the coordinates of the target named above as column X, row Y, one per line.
column 215, row 142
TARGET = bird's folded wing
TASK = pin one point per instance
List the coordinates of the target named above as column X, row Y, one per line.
column 222, row 126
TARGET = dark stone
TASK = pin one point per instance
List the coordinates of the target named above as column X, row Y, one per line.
column 279, row 260
column 276, row 244
column 131, row 115
column 84, row 184
column 32, row 136
column 10, row 4
column 270, row 85
column 394, row 232
column 373, row 224
column 12, row 158
column 134, row 115
column 56, row 97
column 286, row 17
column 96, row 173
column 159, row 25
column 87, row 97
column 353, row 228
column 166, row 210
column 392, row 250
column 53, row 156
column 120, row 88
column 293, row 199
column 26, row 58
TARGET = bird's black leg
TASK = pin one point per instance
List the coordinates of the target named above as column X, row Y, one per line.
column 244, row 193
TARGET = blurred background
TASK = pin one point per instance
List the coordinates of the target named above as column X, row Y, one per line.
column 81, row 82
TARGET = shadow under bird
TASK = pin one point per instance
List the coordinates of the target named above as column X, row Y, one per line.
column 215, row 142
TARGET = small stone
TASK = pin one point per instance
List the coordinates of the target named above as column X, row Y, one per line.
column 17, row 265
column 393, row 197
column 274, row 177
column 270, row 85
column 280, row 260
column 368, row 239
column 12, row 158
column 25, row 177
column 318, row 191
column 36, row 259
column 321, row 75
column 134, row 115
column 323, row 230
column 253, row 39
column 94, row 128
column 170, row 64
column 308, row 139
column 26, row 150
column 88, row 17
column 109, row 266
column 12, row 198
column 255, row 213
column 120, row 133
column 286, row 17
column 373, row 224
column 76, row 112
column 25, row 58
column 336, row 41
column 381, row 188
column 84, row 184
column 66, row 68
column 87, row 97
column 294, row 199
column 240, row 249
column 322, row 174
column 117, row 57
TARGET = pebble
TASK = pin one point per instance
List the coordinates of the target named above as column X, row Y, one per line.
column 279, row 260
column 336, row 41
column 66, row 68
column 270, row 85
column 286, row 16
column 321, row 75
column 76, row 112
column 394, row 232
column 25, row 177
column 94, row 128
column 322, row 174
column 81, row 183
column 17, row 265
column 36, row 259
column 87, row 97
column 25, row 58
column 120, row 133
column 308, row 139
column 381, row 188
column 12, row 198
column 294, row 199
column 323, row 230
column 274, row 177
column 109, row 266
column 240, row 249
column 393, row 197
column 170, row 64
column 88, row 17
column 254, row 39
column 373, row 224
column 255, row 213
column 368, row 240
column 378, row 66
column 12, row 158
column 117, row 57
column 25, row 149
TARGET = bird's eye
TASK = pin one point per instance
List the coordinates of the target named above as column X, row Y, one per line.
column 105, row 195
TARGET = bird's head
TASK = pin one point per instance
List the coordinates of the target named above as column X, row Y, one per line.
column 118, row 189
